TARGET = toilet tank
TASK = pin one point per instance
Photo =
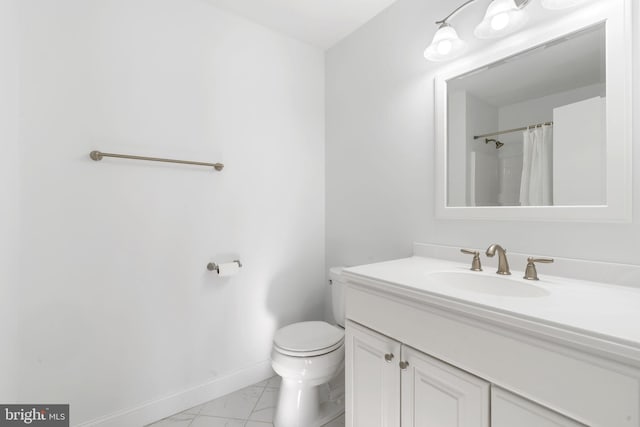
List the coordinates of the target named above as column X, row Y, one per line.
column 337, row 294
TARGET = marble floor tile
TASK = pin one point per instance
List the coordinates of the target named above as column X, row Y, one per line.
column 266, row 406
column 235, row 405
column 253, row 406
column 274, row 382
column 178, row 420
column 206, row 421
column 338, row 422
column 194, row 411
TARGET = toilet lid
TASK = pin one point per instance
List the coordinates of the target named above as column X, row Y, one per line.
column 308, row 338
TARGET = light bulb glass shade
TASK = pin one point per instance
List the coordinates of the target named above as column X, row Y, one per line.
column 445, row 45
column 560, row 4
column 503, row 17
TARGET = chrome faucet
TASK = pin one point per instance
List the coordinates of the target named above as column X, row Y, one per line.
column 503, row 264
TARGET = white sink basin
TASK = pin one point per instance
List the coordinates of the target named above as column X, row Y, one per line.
column 489, row 285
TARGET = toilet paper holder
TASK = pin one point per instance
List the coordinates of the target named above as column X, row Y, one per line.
column 212, row 266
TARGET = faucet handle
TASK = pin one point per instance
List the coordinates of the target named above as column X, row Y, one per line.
column 475, row 264
column 530, row 272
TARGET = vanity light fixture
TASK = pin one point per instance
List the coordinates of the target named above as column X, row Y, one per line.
column 446, row 44
column 501, row 18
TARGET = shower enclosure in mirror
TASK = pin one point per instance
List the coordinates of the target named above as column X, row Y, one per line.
column 543, row 131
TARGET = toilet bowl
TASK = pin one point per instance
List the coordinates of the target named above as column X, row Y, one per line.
column 307, row 355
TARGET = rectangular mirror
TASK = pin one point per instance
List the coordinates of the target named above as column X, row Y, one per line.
column 543, row 131
column 537, row 141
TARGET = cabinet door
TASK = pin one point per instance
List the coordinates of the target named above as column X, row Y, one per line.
column 508, row 410
column 372, row 378
column 435, row 394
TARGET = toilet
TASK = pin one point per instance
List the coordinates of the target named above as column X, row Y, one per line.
column 307, row 355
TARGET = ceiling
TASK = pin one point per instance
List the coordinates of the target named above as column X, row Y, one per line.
column 321, row 23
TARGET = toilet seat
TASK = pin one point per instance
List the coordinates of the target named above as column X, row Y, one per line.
column 308, row 339
column 311, row 353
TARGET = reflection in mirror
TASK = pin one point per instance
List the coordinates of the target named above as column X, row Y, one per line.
column 530, row 130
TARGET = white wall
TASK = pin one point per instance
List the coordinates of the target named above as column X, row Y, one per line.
column 460, row 174
column 579, row 171
column 116, row 308
column 482, row 118
column 9, row 190
column 380, row 152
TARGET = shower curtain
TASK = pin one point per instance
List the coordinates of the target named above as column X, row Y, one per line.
column 536, row 185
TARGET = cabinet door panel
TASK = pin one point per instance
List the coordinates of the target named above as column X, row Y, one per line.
column 372, row 382
column 508, row 410
column 435, row 394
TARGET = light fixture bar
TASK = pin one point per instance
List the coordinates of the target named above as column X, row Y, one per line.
column 458, row 9
column 523, row 4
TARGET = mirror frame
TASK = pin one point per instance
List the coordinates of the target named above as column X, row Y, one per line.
column 616, row 15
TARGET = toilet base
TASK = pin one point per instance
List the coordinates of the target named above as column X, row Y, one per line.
column 307, row 406
column 298, row 405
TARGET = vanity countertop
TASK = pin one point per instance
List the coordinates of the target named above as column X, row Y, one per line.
column 600, row 316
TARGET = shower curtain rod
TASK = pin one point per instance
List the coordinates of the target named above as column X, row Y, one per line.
column 514, row 130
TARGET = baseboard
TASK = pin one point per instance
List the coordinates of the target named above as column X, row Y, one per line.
column 161, row 408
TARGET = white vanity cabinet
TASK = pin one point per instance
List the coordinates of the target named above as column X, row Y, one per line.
column 393, row 385
column 508, row 410
column 470, row 365
column 390, row 384
column 434, row 394
column 373, row 379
